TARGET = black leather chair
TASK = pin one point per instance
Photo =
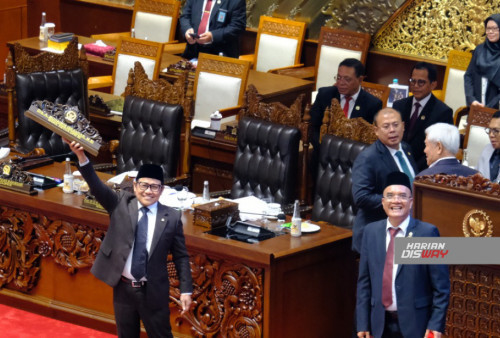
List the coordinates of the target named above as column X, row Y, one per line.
column 57, row 78
column 266, row 161
column 150, row 134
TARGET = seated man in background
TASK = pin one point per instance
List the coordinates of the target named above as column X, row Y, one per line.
column 395, row 300
column 441, row 146
column 355, row 101
column 422, row 109
column 213, row 27
column 371, row 167
column 489, row 161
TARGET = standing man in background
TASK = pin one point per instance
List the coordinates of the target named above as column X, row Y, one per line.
column 213, row 27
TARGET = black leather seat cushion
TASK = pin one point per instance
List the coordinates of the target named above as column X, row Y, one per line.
column 266, row 161
column 333, row 200
column 63, row 87
column 150, row 134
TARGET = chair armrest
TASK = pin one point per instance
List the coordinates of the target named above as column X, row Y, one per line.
column 248, row 57
column 100, row 82
column 226, row 112
column 277, row 70
column 113, row 37
column 439, row 94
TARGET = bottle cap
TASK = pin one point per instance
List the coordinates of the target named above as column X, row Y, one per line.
column 67, row 159
column 394, row 80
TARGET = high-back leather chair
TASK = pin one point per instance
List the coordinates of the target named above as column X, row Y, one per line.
column 58, row 78
column 267, row 155
column 342, row 140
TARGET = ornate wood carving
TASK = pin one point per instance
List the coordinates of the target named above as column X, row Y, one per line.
column 344, row 39
column 475, row 183
column 26, row 237
column 137, row 47
column 227, row 68
column 335, row 122
column 157, row 7
column 474, row 309
column 281, row 28
column 480, row 116
column 227, row 297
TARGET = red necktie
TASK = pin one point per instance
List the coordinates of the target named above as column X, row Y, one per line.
column 205, row 17
column 389, row 264
column 414, row 118
column 346, row 105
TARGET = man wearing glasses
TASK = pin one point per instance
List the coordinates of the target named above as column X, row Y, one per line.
column 489, row 161
column 422, row 109
column 133, row 255
column 355, row 101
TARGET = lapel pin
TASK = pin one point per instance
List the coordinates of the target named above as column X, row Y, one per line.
column 218, row 2
column 410, row 234
column 422, row 117
column 163, row 219
column 357, row 108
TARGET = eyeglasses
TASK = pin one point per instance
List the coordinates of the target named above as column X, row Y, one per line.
column 343, row 78
column 491, row 29
column 418, row 83
column 493, row 131
column 388, row 126
column 393, row 197
column 143, row 186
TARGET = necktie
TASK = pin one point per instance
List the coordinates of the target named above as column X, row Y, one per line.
column 346, row 105
column 140, row 254
column 205, row 17
column 413, row 119
column 494, row 163
column 388, row 267
column 404, row 166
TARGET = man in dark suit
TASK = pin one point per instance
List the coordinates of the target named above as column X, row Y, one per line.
column 133, row 256
column 347, row 89
column 399, row 300
column 219, row 33
column 372, row 166
column 441, row 147
column 422, row 109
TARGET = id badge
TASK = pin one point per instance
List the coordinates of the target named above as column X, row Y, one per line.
column 221, row 16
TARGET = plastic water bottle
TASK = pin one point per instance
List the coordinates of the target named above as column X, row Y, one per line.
column 392, row 87
column 132, row 33
column 68, row 177
column 296, row 228
column 206, row 192
column 43, row 32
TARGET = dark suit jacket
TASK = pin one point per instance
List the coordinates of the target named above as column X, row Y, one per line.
column 449, row 166
column 369, row 172
column 366, row 106
column 422, row 291
column 473, row 83
column 227, row 21
column 168, row 238
column 433, row 112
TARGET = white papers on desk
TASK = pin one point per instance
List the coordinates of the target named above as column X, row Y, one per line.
column 254, row 207
column 4, row 152
column 118, row 179
column 169, row 198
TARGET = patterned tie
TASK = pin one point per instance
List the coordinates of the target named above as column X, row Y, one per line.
column 347, row 99
column 413, row 119
column 205, row 17
column 404, row 166
column 388, row 267
column 140, row 254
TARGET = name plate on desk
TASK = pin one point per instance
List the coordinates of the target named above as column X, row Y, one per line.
column 204, row 132
column 89, row 202
column 67, row 122
column 12, row 178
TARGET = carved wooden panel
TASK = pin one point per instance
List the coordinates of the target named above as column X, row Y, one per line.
column 136, row 47
column 474, row 309
column 157, row 7
column 227, row 297
column 25, row 238
column 459, row 60
column 475, row 183
column 335, row 122
column 282, row 28
column 222, row 67
column 344, row 39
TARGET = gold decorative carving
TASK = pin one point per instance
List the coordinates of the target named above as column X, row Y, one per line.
column 475, row 183
column 335, row 122
column 136, row 47
column 157, row 7
column 228, row 68
column 477, row 223
column 431, row 28
column 281, row 29
column 227, row 297
column 27, row 237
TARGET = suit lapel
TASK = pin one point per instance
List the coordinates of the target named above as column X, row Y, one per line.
column 359, row 103
column 161, row 222
column 410, row 232
column 215, row 10
column 380, row 250
column 426, row 114
column 387, row 158
column 133, row 213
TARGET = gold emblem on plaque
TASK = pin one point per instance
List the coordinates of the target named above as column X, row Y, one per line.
column 6, row 170
column 477, row 223
column 70, row 116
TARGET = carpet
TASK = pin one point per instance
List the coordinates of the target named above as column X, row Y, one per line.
column 16, row 323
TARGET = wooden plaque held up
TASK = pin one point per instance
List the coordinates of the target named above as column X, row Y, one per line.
column 67, row 122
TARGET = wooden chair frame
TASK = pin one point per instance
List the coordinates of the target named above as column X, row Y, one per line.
column 134, row 47
column 341, row 39
column 378, row 90
column 478, row 116
column 282, row 28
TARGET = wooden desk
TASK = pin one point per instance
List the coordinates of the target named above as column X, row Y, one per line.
column 281, row 287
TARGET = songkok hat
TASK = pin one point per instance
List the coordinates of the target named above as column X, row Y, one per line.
column 397, row 178
column 150, row 171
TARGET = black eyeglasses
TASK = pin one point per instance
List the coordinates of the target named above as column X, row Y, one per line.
column 143, row 186
column 418, row 83
column 493, row 131
column 393, row 197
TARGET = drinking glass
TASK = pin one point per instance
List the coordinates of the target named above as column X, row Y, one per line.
column 182, row 196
